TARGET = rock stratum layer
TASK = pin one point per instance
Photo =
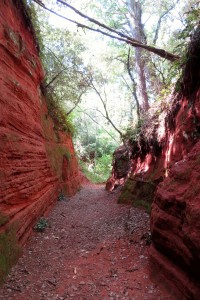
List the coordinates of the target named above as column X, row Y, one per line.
column 36, row 162
column 166, row 155
column 175, row 225
column 175, row 215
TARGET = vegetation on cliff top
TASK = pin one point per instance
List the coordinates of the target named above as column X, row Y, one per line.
column 103, row 85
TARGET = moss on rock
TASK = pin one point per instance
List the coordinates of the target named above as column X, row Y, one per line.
column 9, row 251
column 138, row 193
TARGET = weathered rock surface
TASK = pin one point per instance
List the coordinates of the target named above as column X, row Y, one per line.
column 121, row 167
column 175, row 222
column 36, row 162
column 169, row 153
column 175, row 216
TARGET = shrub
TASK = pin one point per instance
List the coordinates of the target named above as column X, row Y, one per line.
column 91, row 175
column 58, row 114
column 41, row 225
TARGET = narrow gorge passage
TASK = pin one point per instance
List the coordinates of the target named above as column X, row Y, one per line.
column 93, row 248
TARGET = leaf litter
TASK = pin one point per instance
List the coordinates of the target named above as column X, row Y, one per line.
column 93, row 248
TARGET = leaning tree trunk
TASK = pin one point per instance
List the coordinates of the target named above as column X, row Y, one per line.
column 137, row 30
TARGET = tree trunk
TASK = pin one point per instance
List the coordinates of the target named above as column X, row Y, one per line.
column 137, row 31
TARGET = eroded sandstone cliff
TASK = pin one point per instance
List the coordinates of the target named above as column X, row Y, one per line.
column 36, row 161
column 175, row 215
column 166, row 156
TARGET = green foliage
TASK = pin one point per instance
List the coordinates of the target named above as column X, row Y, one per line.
column 9, row 251
column 191, row 22
column 126, row 196
column 65, row 80
column 138, row 193
column 60, row 53
column 35, row 24
column 110, row 12
column 100, row 175
column 95, row 149
column 70, row 61
column 132, row 134
column 58, row 113
column 102, row 166
column 55, row 155
column 41, row 225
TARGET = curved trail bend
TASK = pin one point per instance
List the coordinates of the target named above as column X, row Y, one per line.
column 93, row 249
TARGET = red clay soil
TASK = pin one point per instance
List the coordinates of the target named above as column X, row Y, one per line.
column 93, row 248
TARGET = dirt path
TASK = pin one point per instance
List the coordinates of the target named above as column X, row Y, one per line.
column 93, row 249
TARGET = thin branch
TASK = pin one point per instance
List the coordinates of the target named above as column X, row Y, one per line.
column 96, row 109
column 92, row 20
column 106, row 111
column 54, row 55
column 133, row 92
column 111, row 29
column 55, row 77
column 160, row 20
column 83, row 111
column 126, row 83
column 134, row 84
column 123, row 38
column 76, row 104
column 160, row 72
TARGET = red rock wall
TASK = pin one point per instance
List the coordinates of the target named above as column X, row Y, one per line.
column 175, row 225
column 172, row 155
column 36, row 162
column 175, row 215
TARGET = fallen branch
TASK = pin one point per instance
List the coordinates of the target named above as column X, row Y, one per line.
column 119, row 35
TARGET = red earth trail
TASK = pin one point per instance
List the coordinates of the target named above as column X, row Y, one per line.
column 93, row 248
